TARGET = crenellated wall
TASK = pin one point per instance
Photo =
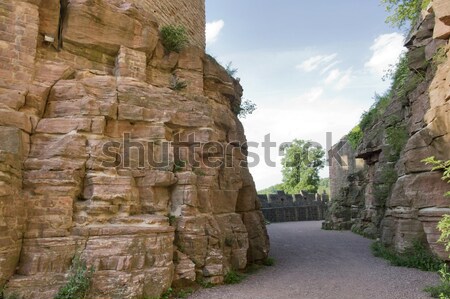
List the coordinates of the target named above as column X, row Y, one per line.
column 281, row 207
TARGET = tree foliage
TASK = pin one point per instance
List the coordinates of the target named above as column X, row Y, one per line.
column 404, row 12
column 301, row 165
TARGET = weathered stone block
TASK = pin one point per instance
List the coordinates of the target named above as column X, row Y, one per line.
column 224, row 201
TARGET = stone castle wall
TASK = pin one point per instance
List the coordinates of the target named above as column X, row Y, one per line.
column 281, row 207
column 143, row 227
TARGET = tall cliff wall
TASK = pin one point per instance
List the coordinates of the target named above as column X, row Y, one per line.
column 143, row 224
column 394, row 196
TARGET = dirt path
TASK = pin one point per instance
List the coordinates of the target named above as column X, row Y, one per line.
column 316, row 264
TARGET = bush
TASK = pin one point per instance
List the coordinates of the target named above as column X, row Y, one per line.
column 174, row 38
column 416, row 256
column 79, row 281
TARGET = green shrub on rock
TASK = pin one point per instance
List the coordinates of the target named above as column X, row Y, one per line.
column 174, row 38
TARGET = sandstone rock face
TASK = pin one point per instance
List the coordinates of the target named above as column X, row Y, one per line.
column 403, row 201
column 100, row 158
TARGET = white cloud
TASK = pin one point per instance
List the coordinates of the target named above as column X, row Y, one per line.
column 339, row 79
column 213, row 30
column 314, row 94
column 386, row 50
column 333, row 76
column 329, row 67
column 315, row 62
column 345, row 80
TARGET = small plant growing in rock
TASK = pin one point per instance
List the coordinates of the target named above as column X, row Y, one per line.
column 246, row 108
column 172, row 219
column 440, row 56
column 179, row 166
column 174, row 37
column 176, row 84
column 79, row 281
column 232, row 71
column 229, row 241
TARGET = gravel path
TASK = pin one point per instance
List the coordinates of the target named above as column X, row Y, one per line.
column 316, row 264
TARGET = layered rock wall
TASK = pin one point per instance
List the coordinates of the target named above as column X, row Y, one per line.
column 399, row 199
column 100, row 159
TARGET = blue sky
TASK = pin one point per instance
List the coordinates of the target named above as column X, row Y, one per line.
column 310, row 66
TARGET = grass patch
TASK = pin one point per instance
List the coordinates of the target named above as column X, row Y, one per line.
column 416, row 256
column 233, row 277
column 174, row 37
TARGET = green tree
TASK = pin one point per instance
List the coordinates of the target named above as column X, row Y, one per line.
column 301, row 165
